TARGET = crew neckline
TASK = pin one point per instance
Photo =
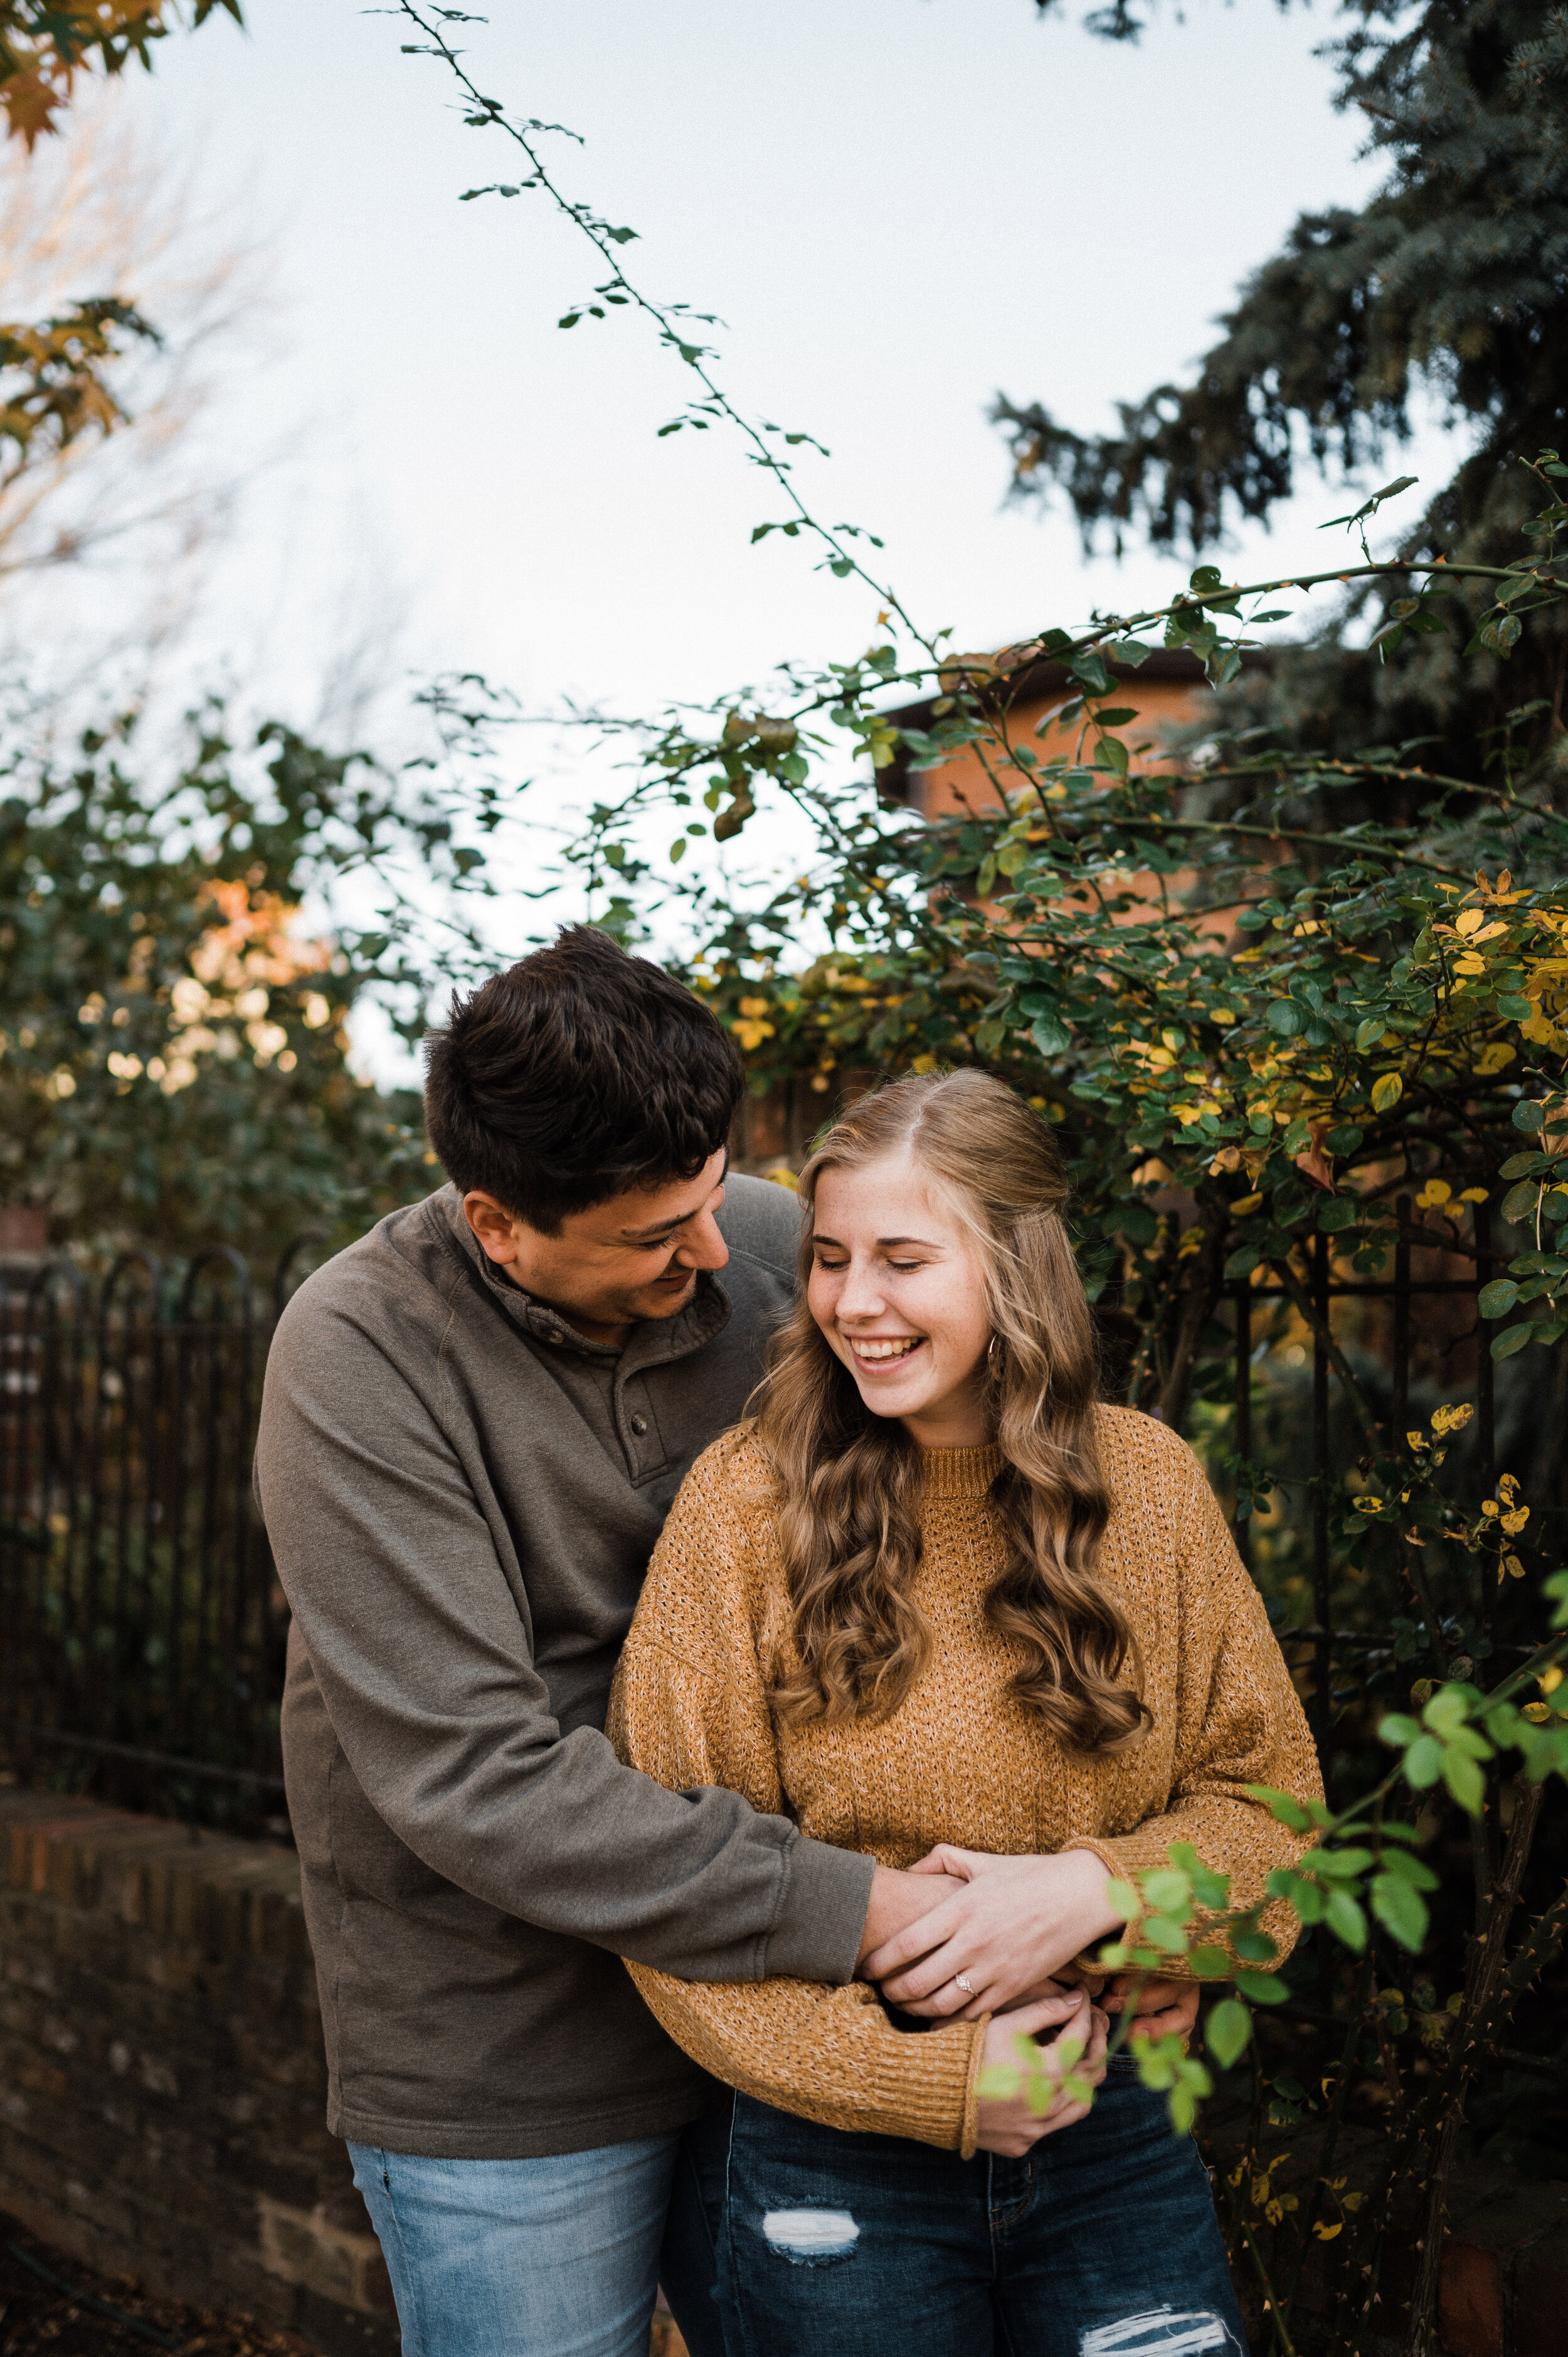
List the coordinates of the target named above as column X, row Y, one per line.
column 960, row 1472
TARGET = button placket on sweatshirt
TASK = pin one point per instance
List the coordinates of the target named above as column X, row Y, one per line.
column 638, row 1425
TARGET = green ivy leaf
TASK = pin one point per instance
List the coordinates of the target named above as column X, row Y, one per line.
column 1402, row 1911
column 1263, row 1989
column 1464, row 1779
column 1346, row 1920
column 1227, row 2030
column 1424, row 1761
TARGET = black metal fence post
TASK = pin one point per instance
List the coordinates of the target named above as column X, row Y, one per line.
column 141, row 1630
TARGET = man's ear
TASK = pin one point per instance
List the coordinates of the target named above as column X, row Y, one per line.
column 493, row 1225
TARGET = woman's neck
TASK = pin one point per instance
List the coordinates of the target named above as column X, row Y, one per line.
column 956, row 1424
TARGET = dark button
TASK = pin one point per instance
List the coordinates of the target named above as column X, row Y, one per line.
column 640, row 1425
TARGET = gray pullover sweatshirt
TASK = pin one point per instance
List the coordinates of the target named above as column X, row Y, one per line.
column 462, row 1495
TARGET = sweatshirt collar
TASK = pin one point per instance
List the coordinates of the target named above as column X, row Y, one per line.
column 653, row 1341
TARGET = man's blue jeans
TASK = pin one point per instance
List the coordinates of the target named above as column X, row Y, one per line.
column 554, row 2257
column 1102, row 2243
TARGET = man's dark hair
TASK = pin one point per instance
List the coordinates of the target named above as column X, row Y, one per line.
column 578, row 1072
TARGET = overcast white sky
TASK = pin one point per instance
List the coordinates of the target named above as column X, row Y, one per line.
column 898, row 206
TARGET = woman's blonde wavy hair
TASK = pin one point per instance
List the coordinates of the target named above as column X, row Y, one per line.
column 849, row 1482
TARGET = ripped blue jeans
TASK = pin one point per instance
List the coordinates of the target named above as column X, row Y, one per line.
column 1102, row 2243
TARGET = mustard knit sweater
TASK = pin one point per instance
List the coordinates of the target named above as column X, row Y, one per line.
column 959, row 1761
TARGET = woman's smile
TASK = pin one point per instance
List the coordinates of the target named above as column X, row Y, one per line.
column 879, row 1353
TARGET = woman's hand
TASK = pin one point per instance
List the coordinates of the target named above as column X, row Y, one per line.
column 1007, row 2125
column 1015, row 1921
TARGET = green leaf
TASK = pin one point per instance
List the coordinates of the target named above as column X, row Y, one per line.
column 1369, row 1032
column 1464, row 1779
column 1519, row 1201
column 1123, row 1901
column 1402, row 1911
column 1283, row 1807
column 1050, row 1035
column 1263, row 1989
column 1511, row 1339
column 1528, row 1116
column 1494, row 1300
column 1254, row 1947
column 1340, row 1211
column 1339, row 1865
column 1227, row 2030
column 1414, row 1871
column 1159, row 1933
column 1284, row 1016
column 1424, row 1761
column 1448, row 1710
column 1210, row 1964
column 1167, row 1888
column 1346, row 1921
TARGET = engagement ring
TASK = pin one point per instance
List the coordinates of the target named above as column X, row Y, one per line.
column 965, row 1984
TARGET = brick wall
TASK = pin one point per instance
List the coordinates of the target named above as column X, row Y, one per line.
column 163, row 2089
column 162, row 2083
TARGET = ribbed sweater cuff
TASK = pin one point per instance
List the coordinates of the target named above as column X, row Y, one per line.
column 971, row 2133
column 821, row 1918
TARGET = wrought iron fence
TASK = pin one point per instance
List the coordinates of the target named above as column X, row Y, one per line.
column 1401, row 1290
column 142, row 1627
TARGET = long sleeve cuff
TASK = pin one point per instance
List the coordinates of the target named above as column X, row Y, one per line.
column 970, row 2135
column 1125, row 1855
column 821, row 1917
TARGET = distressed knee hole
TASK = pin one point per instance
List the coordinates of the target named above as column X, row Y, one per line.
column 811, row 2238
column 1162, row 2333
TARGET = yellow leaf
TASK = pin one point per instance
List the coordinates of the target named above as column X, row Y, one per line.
column 1469, row 920
column 1513, row 1523
column 1474, row 1195
column 1472, row 962
column 1245, row 1206
column 1551, row 1679
column 1493, row 1059
column 1368, row 1505
column 1387, row 1092
column 1326, row 2234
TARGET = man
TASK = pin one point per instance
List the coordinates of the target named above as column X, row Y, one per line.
column 474, row 1423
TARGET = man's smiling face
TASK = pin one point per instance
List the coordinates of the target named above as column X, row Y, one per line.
column 633, row 1256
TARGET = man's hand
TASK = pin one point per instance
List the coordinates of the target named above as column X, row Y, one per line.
column 1007, row 2125
column 1012, row 1924
column 1163, row 2008
column 898, row 1899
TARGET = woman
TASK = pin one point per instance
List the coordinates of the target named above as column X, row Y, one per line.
column 934, row 1595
